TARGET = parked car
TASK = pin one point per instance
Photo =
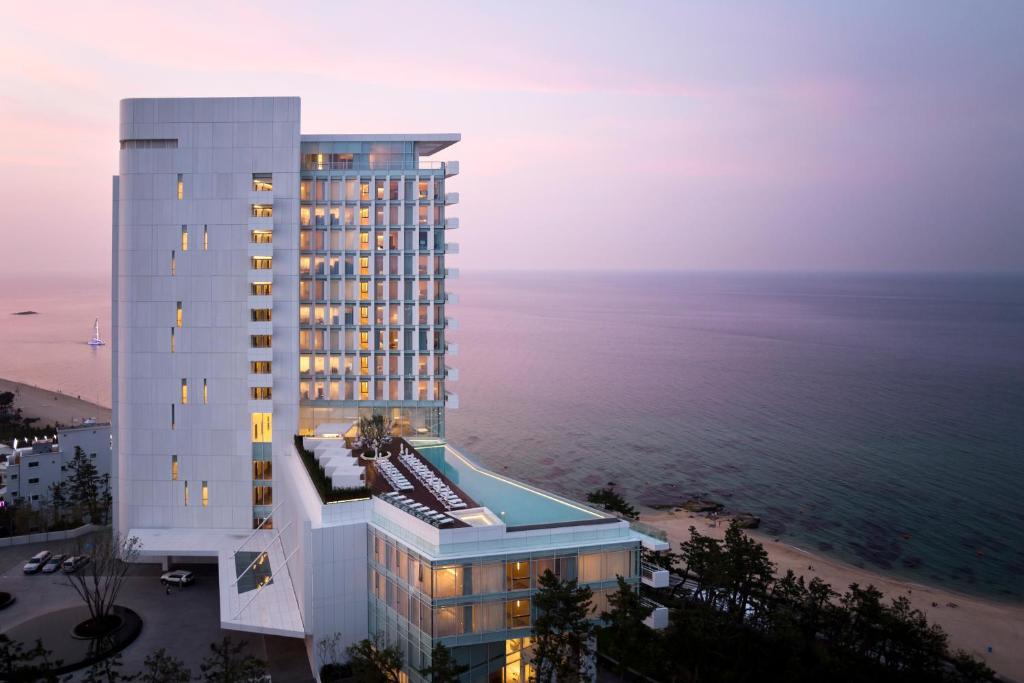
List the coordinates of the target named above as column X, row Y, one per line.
column 54, row 563
column 178, row 577
column 36, row 563
column 73, row 562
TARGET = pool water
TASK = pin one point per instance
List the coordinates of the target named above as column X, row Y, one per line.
column 515, row 503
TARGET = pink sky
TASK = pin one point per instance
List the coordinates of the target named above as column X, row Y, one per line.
column 595, row 135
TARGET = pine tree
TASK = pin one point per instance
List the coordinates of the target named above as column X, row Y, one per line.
column 630, row 637
column 563, row 632
column 443, row 667
column 160, row 667
column 227, row 665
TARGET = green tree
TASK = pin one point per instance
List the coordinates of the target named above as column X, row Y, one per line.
column 563, row 631
column 107, row 670
column 58, row 500
column 227, row 664
column 628, row 637
column 161, row 667
column 375, row 432
column 443, row 667
column 83, row 483
column 373, row 663
column 18, row 664
column 611, row 500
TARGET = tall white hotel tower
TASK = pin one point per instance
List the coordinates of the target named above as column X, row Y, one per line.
column 270, row 288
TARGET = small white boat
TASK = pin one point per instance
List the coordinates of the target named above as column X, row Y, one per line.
column 96, row 341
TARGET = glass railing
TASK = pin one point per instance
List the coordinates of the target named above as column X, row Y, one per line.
column 368, row 165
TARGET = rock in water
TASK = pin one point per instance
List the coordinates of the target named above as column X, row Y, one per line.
column 25, row 313
column 747, row 521
column 697, row 505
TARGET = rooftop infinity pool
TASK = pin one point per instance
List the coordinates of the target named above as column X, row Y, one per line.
column 515, row 503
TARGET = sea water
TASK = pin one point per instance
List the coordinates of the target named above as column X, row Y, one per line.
column 876, row 418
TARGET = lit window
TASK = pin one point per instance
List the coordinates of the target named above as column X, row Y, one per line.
column 206, row 494
column 364, row 290
column 364, row 191
column 260, row 393
column 184, row 391
column 174, row 468
column 262, row 182
column 364, row 240
column 172, row 340
column 173, row 268
column 206, row 396
column 206, row 239
column 364, row 390
column 186, row 492
column 181, row 186
column 364, row 365
column 260, row 289
column 364, row 340
column 262, row 263
column 423, row 189
column 364, row 314
column 261, row 427
column 364, row 215
column 260, row 341
column 184, row 238
column 259, row 367
column 364, row 265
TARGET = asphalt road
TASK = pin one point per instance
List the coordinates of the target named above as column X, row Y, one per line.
column 184, row 622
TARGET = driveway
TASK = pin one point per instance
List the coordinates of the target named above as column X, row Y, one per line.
column 184, row 622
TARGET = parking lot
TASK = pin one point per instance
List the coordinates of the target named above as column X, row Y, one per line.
column 184, row 622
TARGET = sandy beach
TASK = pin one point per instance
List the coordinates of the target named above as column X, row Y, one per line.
column 973, row 625
column 52, row 407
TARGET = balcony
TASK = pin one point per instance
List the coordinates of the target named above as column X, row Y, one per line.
column 451, row 223
column 451, row 298
column 451, row 168
column 653, row 576
column 451, row 374
column 451, row 323
column 451, row 247
column 261, row 327
column 451, row 349
column 658, row 618
column 451, row 401
column 451, row 273
column 323, row 163
column 451, row 197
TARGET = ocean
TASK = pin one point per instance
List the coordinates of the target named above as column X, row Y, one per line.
column 876, row 418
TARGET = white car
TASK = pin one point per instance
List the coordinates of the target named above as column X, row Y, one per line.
column 36, row 563
column 178, row 577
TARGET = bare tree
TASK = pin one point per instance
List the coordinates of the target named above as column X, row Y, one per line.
column 101, row 579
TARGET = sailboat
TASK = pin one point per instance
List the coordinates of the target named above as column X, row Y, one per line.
column 96, row 341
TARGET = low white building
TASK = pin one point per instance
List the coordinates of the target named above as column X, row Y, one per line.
column 31, row 469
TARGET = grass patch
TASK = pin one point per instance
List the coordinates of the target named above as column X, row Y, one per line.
column 322, row 483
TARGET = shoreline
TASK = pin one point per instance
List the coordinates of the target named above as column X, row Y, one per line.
column 972, row 623
column 52, row 408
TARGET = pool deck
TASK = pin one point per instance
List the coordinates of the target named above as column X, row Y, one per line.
column 420, row 493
